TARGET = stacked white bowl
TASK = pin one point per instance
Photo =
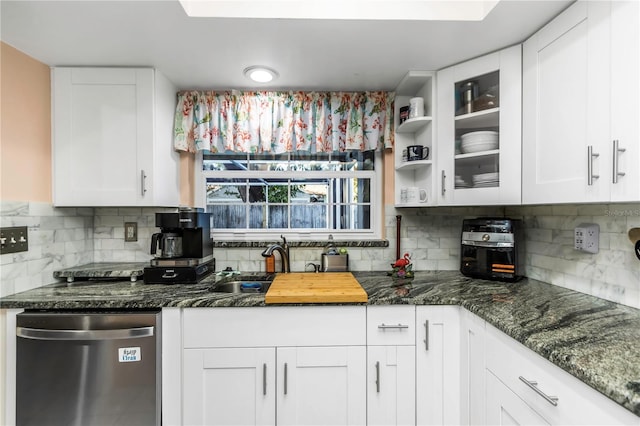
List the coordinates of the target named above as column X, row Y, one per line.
column 485, row 140
column 486, row 179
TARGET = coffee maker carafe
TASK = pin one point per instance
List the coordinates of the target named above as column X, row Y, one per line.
column 183, row 248
column 166, row 245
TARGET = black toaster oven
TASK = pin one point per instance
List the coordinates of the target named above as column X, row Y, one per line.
column 492, row 248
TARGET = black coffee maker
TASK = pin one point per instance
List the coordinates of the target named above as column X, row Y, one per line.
column 183, row 248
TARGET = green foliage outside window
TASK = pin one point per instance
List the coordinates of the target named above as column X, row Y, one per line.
column 280, row 193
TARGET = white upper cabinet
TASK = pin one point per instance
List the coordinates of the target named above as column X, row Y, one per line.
column 625, row 101
column 112, row 138
column 417, row 130
column 479, row 130
column 580, row 110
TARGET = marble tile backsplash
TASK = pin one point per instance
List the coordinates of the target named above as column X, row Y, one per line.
column 613, row 273
column 432, row 236
column 58, row 238
column 66, row 237
column 108, row 233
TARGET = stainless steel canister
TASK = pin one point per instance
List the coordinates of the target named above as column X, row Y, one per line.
column 469, row 92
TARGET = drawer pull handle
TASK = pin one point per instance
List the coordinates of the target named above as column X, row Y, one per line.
column 553, row 400
column 383, row 326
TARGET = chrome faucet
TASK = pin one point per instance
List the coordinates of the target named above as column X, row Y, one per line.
column 284, row 253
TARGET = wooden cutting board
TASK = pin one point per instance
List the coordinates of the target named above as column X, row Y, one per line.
column 310, row 287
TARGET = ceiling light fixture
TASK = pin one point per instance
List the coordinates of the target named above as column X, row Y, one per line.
column 260, row 74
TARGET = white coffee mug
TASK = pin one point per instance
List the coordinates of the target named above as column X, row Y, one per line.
column 416, row 195
column 403, row 195
column 416, row 107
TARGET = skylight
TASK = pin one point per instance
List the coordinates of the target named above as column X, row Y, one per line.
column 416, row 10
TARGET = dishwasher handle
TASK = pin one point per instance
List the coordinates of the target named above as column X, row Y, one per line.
column 48, row 334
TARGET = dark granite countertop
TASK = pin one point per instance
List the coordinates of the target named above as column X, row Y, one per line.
column 114, row 270
column 593, row 339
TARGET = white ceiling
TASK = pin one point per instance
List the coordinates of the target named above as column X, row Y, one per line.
column 211, row 53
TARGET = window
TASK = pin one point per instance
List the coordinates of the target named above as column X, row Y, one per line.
column 309, row 195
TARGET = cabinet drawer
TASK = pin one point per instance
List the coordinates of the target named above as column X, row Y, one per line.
column 391, row 325
column 274, row 326
column 577, row 403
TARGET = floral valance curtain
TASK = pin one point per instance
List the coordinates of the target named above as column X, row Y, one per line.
column 278, row 122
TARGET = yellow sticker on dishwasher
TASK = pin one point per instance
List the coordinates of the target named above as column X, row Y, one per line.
column 129, row 354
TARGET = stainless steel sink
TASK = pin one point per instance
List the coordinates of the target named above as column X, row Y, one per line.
column 244, row 284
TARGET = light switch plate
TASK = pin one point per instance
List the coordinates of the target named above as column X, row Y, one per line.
column 14, row 240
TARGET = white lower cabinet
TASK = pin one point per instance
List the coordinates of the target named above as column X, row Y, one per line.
column 276, row 365
column 391, row 365
column 525, row 388
column 243, row 386
column 391, row 385
column 321, row 385
column 472, row 369
column 438, row 365
column 504, row 407
column 376, row 365
column 229, row 386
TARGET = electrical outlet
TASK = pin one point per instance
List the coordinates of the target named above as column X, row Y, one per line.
column 130, row 231
column 587, row 237
column 14, row 240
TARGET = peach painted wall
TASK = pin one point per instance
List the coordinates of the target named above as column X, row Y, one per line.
column 187, row 183
column 25, row 123
column 388, row 178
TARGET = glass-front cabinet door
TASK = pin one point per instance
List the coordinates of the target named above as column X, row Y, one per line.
column 479, row 131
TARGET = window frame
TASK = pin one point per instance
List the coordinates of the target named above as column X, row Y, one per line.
column 376, row 211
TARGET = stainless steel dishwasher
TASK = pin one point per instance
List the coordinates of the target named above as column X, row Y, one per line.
column 88, row 368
